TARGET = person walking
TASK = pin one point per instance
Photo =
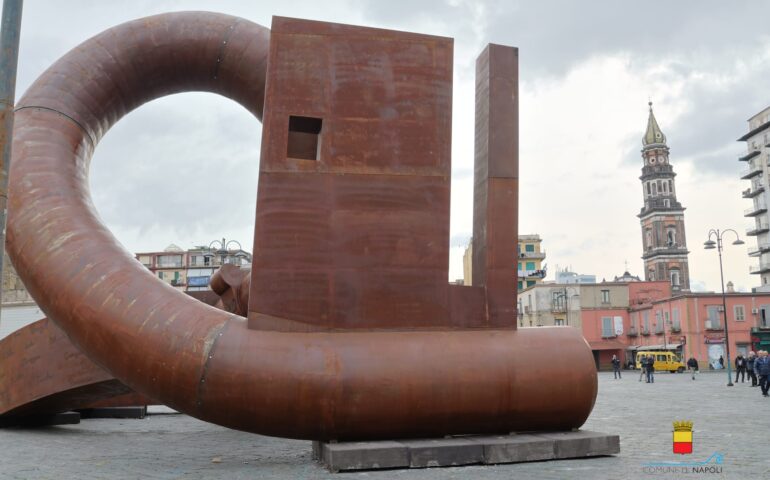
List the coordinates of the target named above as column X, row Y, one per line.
column 721, row 362
column 750, row 368
column 642, row 367
column 740, row 368
column 692, row 365
column 651, row 369
column 615, row 367
column 762, row 368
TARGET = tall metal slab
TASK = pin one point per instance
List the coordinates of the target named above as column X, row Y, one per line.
column 495, row 181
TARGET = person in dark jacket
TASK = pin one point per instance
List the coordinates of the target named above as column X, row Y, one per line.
column 650, row 368
column 692, row 365
column 740, row 368
column 750, row 368
column 615, row 367
column 762, row 368
column 721, row 361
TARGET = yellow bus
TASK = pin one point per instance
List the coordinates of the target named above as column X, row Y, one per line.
column 664, row 361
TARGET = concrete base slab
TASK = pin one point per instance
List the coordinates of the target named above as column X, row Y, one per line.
column 114, row 412
column 64, row 418
column 464, row 450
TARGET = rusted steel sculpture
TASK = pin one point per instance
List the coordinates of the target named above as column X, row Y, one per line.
column 352, row 330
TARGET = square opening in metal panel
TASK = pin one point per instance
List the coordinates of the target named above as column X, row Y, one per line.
column 304, row 137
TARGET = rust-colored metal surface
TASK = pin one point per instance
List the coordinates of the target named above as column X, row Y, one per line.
column 231, row 284
column 406, row 368
column 41, row 371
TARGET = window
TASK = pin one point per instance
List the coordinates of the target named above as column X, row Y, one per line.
column 520, row 284
column 675, row 323
column 660, row 358
column 652, row 275
column 654, row 189
column 530, row 265
column 671, row 236
column 558, row 321
column 666, row 202
column 658, row 322
column 648, row 189
column 675, row 278
column 648, row 235
column 169, row 261
column 670, row 186
column 529, row 247
column 607, row 327
column 646, row 321
column 739, row 313
column 530, row 283
column 302, row 141
column 634, row 319
column 605, row 296
column 743, row 349
column 713, row 316
column 160, row 275
column 519, row 265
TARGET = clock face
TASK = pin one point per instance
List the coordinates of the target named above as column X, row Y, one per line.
column 652, row 160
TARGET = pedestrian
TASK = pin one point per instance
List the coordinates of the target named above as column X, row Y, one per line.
column 692, row 365
column 642, row 366
column 762, row 368
column 651, row 369
column 721, row 361
column 750, row 368
column 740, row 368
column 615, row 367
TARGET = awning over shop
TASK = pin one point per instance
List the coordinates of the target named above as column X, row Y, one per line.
column 643, row 348
column 607, row 345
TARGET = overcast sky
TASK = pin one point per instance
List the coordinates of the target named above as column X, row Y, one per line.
column 184, row 169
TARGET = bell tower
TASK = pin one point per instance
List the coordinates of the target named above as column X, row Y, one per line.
column 662, row 216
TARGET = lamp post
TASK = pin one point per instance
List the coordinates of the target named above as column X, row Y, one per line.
column 710, row 245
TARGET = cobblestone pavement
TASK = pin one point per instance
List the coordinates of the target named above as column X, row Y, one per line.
column 726, row 420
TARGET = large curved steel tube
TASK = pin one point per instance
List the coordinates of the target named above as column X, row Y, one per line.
column 204, row 361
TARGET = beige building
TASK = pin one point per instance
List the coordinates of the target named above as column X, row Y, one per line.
column 550, row 304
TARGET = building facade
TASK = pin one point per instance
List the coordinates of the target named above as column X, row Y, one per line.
column 566, row 276
column 530, row 257
column 662, row 216
column 757, row 160
column 191, row 270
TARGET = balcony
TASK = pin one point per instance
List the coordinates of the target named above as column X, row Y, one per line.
column 713, row 325
column 751, row 172
column 751, row 193
column 645, row 331
column 676, row 329
column 760, row 207
column 762, row 268
column 534, row 255
column 531, row 273
column 749, row 156
column 632, row 332
column 759, row 249
column 609, row 335
column 760, row 227
column 658, row 330
column 558, row 308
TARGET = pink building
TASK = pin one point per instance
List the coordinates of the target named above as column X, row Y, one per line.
column 690, row 324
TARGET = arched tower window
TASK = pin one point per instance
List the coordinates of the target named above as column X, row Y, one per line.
column 675, row 278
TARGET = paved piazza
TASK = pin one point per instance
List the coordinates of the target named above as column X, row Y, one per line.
column 730, row 421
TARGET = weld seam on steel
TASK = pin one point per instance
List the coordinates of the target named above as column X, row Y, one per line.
column 40, row 107
column 222, row 47
column 209, row 355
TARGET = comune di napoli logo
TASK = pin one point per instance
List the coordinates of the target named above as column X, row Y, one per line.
column 683, row 445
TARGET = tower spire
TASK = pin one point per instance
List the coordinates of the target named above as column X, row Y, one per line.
column 653, row 135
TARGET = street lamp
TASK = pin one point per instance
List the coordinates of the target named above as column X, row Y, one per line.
column 710, row 245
